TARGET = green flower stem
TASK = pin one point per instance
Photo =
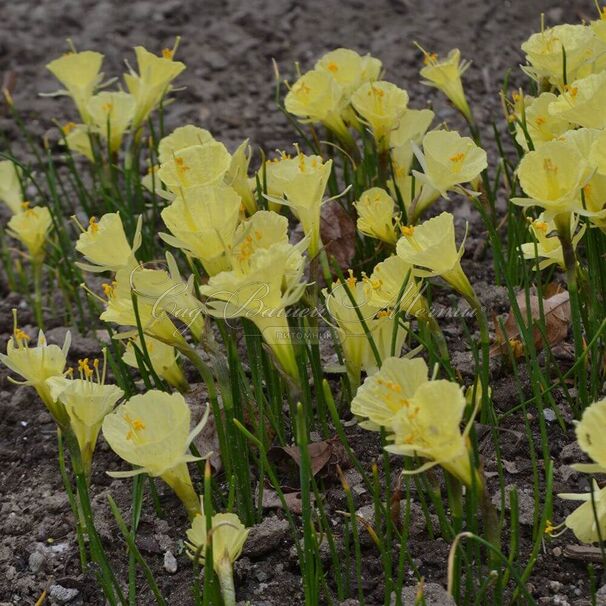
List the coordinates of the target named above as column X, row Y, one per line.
column 225, row 574
column 37, row 265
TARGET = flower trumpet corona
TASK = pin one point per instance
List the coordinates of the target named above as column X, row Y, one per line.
column 376, row 215
column 422, row 416
column 31, row 228
column 588, row 521
column 152, row 432
column 445, row 75
column 111, row 114
column 36, row 365
column 87, row 401
column 226, row 539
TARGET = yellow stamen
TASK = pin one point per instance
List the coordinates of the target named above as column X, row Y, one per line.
column 93, row 226
column 168, row 53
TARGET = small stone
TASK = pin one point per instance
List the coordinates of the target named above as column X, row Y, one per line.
column 555, row 586
column 265, row 537
column 61, row 594
column 170, row 562
column 37, row 561
column 433, row 595
column 549, row 415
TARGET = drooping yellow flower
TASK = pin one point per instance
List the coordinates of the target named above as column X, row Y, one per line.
column 87, row 401
column 431, row 246
column 544, row 52
column 552, row 177
column 37, row 364
column 588, row 526
column 300, row 183
column 204, row 164
column 449, row 160
column 422, row 416
column 152, row 432
column 152, row 83
column 104, row 244
column 349, row 68
column 80, row 74
column 202, row 221
column 381, row 105
column 376, row 215
column 350, row 317
column 10, row 186
column 31, row 228
column 111, row 114
column 227, row 538
column 548, row 245
column 445, row 75
column 590, row 432
column 317, row 97
column 180, row 138
column 260, row 288
column 582, row 102
column 165, row 291
column 163, row 360
column 77, row 139
column 541, row 125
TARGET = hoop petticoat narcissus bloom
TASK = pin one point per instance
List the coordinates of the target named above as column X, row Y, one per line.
column 111, row 114
column 300, row 183
column 552, row 177
column 544, row 52
column 180, row 138
column 445, row 75
column 582, row 521
column 77, row 139
column 202, row 221
column 449, row 160
column 548, row 245
column 31, row 227
column 431, row 246
column 87, row 401
column 411, row 129
column 37, row 364
column 80, row 74
column 227, row 538
column 237, row 176
column 104, row 244
column 195, row 165
column 263, row 283
column 152, row 431
column 317, row 97
column 380, row 105
column 541, row 125
column 349, row 68
column 422, row 416
column 582, row 102
column 375, row 210
column 163, row 360
column 589, row 431
column 152, row 83
column 10, row 186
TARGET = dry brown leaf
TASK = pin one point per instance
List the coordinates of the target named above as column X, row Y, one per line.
column 324, row 456
column 338, row 233
column 556, row 310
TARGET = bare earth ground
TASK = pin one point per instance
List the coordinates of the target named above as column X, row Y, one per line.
column 228, row 47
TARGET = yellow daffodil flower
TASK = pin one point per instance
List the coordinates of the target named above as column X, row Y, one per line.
column 152, row 432
column 260, row 288
column 544, row 52
column 196, row 165
column 36, row 365
column 180, row 138
column 31, row 228
column 449, row 160
column 237, row 176
column 317, row 97
column 104, row 244
column 163, row 360
column 80, row 74
column 431, row 247
column 376, row 215
column 87, row 401
column 588, row 526
column 445, row 75
column 381, row 106
column 589, row 432
column 111, row 114
column 152, row 83
column 10, row 186
column 77, row 138
column 379, row 320
column 227, row 538
column 552, row 177
column 413, row 126
column 541, row 125
column 300, row 183
column 349, row 68
column 422, row 416
column 547, row 245
column 582, row 102
column 202, row 221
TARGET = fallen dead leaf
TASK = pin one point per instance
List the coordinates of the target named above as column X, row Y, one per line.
column 338, row 233
column 324, row 456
